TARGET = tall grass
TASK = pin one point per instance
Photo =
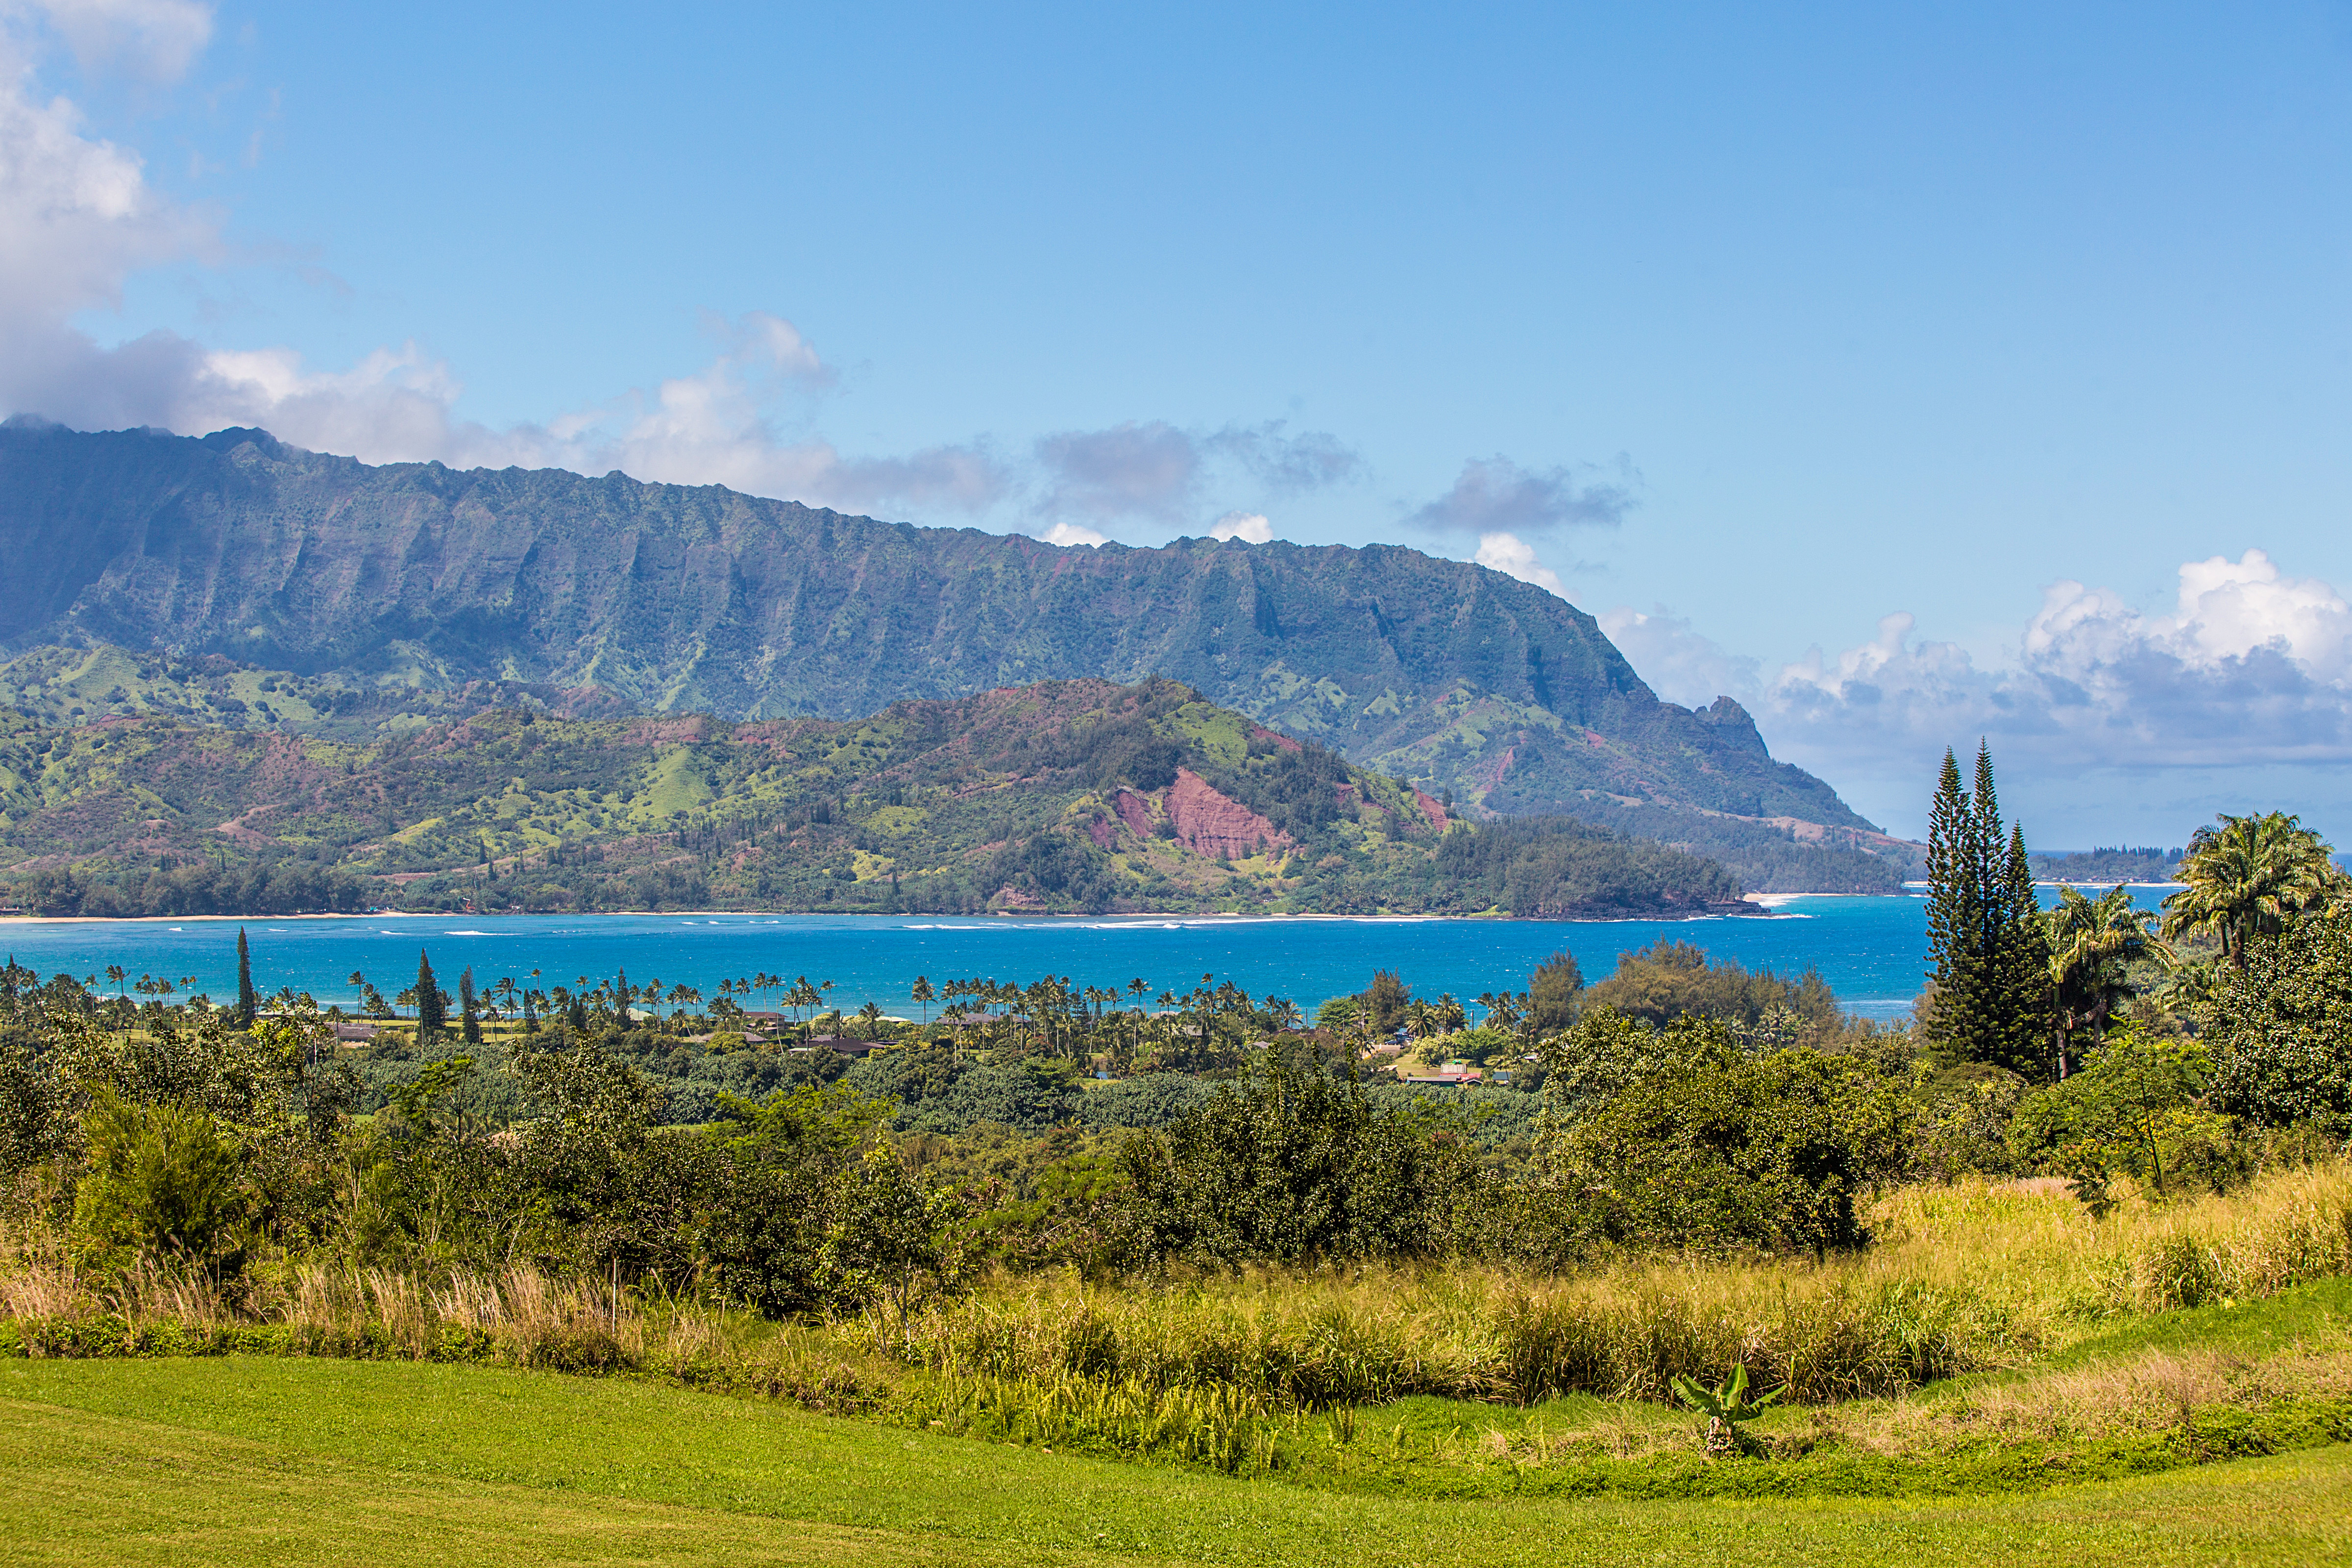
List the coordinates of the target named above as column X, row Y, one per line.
column 1252, row 1370
column 1962, row 1280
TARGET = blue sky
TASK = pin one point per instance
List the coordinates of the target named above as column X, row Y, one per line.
column 1747, row 330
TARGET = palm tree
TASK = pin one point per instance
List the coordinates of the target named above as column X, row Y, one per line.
column 2247, row 879
column 2188, row 983
column 923, row 997
column 2092, row 944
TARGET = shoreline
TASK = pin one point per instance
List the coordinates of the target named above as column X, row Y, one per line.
column 1764, row 901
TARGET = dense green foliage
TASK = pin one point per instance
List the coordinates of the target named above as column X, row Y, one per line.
column 2280, row 1029
column 1714, row 1144
column 1064, row 795
column 1672, row 979
column 1293, row 1164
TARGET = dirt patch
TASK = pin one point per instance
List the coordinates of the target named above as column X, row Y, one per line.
column 1213, row 823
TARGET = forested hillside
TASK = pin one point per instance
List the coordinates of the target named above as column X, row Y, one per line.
column 1064, row 795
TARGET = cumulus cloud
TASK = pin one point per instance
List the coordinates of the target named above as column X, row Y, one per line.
column 2104, row 715
column 1249, row 527
column 1496, row 496
column 2249, row 666
column 76, row 217
column 1508, row 552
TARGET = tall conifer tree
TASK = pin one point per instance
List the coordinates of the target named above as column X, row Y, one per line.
column 2020, row 967
column 432, row 1018
column 1955, row 915
column 1990, row 953
column 470, row 1013
column 248, row 1000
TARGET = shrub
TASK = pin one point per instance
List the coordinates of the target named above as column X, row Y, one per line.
column 163, row 1186
column 2280, row 1029
column 2137, row 1108
column 1711, row 1147
column 1293, row 1162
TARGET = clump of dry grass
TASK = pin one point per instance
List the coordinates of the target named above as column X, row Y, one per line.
column 2150, row 1392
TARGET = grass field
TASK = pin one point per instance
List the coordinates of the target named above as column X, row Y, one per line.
column 255, row 1460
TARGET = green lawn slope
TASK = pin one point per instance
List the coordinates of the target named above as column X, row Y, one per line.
column 239, row 1461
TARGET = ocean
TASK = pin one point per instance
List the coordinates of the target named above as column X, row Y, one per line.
column 1871, row 951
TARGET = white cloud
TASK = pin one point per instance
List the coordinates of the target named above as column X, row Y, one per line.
column 2248, row 673
column 78, row 217
column 2249, row 664
column 1249, row 527
column 1509, row 554
column 1071, row 533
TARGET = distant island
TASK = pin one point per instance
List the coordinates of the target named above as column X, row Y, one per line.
column 2108, row 866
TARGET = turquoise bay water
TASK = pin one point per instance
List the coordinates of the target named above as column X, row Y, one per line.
column 1871, row 951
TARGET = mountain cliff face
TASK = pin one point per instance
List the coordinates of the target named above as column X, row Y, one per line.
column 677, row 599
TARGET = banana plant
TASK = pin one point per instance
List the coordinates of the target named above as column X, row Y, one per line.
column 1724, row 1406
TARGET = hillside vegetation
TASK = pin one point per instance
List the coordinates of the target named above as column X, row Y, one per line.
column 1069, row 796
column 328, row 581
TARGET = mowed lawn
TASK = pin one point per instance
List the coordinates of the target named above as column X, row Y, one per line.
column 360, row 1464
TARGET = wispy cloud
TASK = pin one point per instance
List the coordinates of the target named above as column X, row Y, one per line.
column 1155, row 472
column 156, row 41
column 1147, row 470
column 1497, row 496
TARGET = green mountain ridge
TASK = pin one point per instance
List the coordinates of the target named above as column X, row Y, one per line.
column 1058, row 796
column 244, row 582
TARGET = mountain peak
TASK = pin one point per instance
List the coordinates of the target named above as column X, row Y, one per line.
column 675, row 598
